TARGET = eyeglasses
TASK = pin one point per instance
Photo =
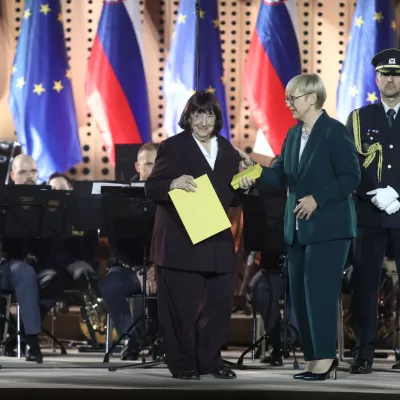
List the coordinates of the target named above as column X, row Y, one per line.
column 291, row 99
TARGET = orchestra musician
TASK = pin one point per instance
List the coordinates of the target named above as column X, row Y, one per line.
column 18, row 275
column 195, row 282
column 59, row 181
column 55, row 265
column 122, row 280
column 319, row 164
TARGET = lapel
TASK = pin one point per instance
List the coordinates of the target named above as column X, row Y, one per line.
column 314, row 140
column 294, row 156
column 382, row 117
column 220, row 154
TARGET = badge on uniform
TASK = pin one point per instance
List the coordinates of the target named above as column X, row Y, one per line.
column 369, row 136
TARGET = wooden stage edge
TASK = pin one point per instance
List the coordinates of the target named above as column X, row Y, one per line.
column 84, row 376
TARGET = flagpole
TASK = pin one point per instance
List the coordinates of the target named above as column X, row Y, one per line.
column 197, row 44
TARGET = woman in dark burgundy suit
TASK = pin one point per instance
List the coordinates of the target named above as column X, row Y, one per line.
column 195, row 282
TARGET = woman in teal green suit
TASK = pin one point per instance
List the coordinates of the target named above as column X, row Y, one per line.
column 319, row 164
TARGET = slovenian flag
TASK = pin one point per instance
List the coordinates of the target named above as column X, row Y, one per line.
column 116, row 88
column 273, row 59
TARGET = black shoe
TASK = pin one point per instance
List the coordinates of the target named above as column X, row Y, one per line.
column 276, row 358
column 325, row 375
column 301, row 375
column 10, row 347
column 361, row 367
column 33, row 353
column 157, row 350
column 130, row 351
column 396, row 366
column 224, row 373
column 187, row 375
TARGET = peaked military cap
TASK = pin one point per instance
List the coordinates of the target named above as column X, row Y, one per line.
column 387, row 61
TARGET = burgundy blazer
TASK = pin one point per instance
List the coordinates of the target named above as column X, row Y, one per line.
column 171, row 246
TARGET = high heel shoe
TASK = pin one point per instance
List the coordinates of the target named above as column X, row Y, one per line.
column 326, row 375
column 301, row 375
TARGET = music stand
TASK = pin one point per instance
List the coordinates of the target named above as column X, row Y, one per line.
column 130, row 217
column 263, row 230
column 33, row 212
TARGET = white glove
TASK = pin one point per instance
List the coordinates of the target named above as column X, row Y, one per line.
column 78, row 268
column 383, row 197
column 393, row 208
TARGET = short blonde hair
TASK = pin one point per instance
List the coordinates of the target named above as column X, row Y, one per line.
column 308, row 84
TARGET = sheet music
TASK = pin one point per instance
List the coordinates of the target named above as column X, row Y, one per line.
column 96, row 188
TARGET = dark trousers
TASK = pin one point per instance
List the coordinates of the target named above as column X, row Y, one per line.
column 369, row 251
column 20, row 277
column 315, row 277
column 119, row 284
column 195, row 310
column 267, row 289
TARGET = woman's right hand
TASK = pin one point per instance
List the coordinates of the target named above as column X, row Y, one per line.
column 184, row 182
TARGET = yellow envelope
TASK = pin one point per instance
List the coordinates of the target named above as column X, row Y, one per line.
column 201, row 212
column 253, row 172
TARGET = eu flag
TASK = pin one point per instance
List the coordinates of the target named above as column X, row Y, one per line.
column 41, row 99
column 180, row 71
column 373, row 30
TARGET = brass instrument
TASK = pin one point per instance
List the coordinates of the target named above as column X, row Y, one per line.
column 96, row 312
column 94, row 307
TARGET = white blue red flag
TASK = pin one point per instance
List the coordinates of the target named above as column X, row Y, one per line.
column 273, row 59
column 116, row 87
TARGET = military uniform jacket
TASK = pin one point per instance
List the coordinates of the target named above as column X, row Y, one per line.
column 378, row 148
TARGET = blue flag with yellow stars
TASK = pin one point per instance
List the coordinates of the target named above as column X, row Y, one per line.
column 180, row 70
column 373, row 30
column 41, row 99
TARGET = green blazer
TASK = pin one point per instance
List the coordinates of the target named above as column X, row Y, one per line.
column 328, row 170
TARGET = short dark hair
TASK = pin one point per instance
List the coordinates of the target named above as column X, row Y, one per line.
column 202, row 102
column 58, row 175
column 149, row 146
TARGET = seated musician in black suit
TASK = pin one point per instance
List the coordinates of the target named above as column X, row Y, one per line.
column 60, row 182
column 18, row 275
column 146, row 158
column 55, row 260
column 122, row 280
column 267, row 285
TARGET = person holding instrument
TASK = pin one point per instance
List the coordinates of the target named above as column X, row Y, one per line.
column 195, row 282
column 319, row 164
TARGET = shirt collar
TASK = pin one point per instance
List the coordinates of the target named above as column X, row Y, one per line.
column 387, row 108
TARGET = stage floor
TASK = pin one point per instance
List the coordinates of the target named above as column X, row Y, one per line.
column 78, row 375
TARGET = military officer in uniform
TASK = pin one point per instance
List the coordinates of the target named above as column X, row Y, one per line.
column 376, row 130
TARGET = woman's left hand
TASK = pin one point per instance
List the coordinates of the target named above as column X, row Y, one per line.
column 305, row 207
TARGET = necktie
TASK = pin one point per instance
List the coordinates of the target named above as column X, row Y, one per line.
column 391, row 113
